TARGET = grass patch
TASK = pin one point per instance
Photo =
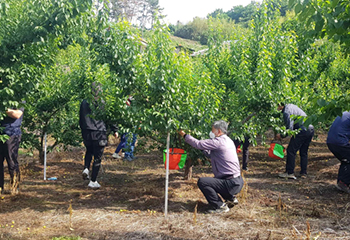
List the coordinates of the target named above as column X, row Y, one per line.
column 196, row 46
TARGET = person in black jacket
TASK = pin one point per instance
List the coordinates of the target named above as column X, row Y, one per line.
column 94, row 134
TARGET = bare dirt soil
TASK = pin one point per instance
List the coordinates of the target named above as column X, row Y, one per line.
column 130, row 203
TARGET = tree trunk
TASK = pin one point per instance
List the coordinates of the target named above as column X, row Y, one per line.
column 188, row 169
column 41, row 149
column 41, row 156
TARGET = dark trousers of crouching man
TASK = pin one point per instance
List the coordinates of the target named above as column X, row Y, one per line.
column 226, row 188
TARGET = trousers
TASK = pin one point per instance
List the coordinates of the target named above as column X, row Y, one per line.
column 300, row 142
column 93, row 150
column 9, row 151
column 343, row 155
column 212, row 187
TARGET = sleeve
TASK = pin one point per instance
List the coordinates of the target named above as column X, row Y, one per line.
column 206, row 153
column 207, row 144
column 287, row 122
column 114, row 128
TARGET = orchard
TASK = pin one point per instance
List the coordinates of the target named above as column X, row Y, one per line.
column 52, row 51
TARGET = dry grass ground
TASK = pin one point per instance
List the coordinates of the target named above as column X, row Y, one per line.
column 130, row 203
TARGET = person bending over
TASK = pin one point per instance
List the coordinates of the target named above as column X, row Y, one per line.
column 338, row 143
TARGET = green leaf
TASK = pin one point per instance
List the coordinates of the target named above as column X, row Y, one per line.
column 319, row 25
column 334, row 3
column 298, row 8
column 291, row 3
column 321, row 102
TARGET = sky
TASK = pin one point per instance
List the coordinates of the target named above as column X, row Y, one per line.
column 186, row 10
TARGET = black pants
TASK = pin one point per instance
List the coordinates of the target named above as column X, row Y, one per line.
column 343, row 155
column 93, row 149
column 211, row 187
column 299, row 142
column 245, row 151
column 9, row 151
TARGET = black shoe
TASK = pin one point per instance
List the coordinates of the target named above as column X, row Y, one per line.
column 343, row 187
column 303, row 175
column 232, row 203
column 245, row 169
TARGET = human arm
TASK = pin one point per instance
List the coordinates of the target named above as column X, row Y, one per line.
column 287, row 121
column 114, row 128
column 206, row 145
column 288, row 124
column 14, row 113
column 278, row 136
column 182, row 133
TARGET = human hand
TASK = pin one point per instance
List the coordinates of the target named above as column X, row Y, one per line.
column 278, row 136
column 182, row 133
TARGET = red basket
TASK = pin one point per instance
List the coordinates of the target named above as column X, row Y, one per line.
column 177, row 158
column 277, row 151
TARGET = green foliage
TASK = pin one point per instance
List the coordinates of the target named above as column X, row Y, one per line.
column 243, row 14
column 218, row 13
column 53, row 106
column 256, row 69
column 27, row 30
column 52, row 55
column 171, row 87
column 32, row 68
column 327, row 18
column 199, row 28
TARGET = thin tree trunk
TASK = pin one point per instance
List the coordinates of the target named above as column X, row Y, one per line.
column 41, row 148
column 41, row 156
column 188, row 169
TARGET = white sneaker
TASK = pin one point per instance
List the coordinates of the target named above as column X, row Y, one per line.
column 86, row 174
column 286, row 175
column 223, row 209
column 94, row 184
column 116, row 155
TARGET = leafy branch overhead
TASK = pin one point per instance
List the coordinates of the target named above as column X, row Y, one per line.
column 326, row 18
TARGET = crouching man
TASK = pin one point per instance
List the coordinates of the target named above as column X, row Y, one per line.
column 338, row 143
column 227, row 180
